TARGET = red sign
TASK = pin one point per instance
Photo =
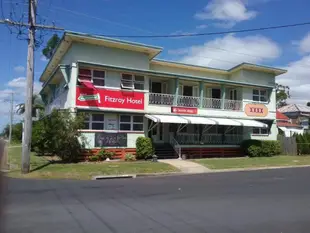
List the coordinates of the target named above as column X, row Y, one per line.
column 183, row 110
column 109, row 98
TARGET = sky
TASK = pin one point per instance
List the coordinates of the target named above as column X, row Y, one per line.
column 287, row 48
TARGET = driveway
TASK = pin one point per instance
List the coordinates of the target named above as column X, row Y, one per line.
column 272, row 201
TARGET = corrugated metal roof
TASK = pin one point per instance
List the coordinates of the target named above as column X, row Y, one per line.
column 295, row 108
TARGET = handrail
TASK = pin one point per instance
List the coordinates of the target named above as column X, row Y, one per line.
column 176, row 146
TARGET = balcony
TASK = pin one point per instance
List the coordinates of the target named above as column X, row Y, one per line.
column 194, row 102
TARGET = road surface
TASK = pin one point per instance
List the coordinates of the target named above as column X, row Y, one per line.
column 266, row 201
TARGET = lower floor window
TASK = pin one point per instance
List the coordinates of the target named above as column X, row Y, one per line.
column 260, row 131
column 94, row 121
column 131, row 123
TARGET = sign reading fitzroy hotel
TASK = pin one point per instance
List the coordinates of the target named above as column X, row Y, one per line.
column 167, row 101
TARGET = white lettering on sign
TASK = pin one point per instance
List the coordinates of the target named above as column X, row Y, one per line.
column 128, row 100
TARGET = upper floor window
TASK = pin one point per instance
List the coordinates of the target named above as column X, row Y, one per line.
column 130, row 81
column 94, row 121
column 94, row 76
column 131, row 123
column 260, row 95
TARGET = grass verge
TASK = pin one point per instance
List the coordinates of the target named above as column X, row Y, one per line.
column 245, row 162
column 43, row 168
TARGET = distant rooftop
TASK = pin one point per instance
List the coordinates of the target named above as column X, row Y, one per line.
column 295, row 108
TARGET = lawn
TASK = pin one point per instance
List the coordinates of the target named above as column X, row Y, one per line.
column 245, row 162
column 41, row 167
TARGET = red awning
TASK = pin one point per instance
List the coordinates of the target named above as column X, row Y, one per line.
column 87, row 84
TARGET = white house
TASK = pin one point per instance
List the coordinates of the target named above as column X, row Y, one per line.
column 128, row 93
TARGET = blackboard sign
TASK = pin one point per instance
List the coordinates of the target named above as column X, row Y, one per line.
column 110, row 139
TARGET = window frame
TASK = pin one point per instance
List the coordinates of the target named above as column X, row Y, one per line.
column 260, row 131
column 131, row 122
column 92, row 76
column 259, row 95
column 133, row 81
column 90, row 121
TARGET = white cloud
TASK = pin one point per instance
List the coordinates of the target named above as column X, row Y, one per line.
column 4, row 94
column 297, row 78
column 228, row 51
column 20, row 83
column 19, row 69
column 201, row 26
column 231, row 11
column 304, row 44
column 43, row 58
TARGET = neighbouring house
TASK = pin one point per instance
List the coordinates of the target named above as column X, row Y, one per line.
column 298, row 113
column 288, row 128
column 127, row 93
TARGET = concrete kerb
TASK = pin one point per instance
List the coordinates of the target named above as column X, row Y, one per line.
column 141, row 175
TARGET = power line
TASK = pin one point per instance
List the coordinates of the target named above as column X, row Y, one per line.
column 211, row 33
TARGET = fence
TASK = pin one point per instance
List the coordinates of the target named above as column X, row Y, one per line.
column 288, row 145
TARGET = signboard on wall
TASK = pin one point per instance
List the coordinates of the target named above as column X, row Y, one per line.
column 111, row 124
column 183, row 110
column 257, row 110
column 110, row 139
column 109, row 98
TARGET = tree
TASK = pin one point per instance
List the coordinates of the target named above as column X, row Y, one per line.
column 37, row 104
column 51, row 46
column 17, row 132
column 59, row 134
column 282, row 94
column 308, row 104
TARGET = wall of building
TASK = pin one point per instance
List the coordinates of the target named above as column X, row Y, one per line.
column 184, row 71
column 255, row 77
column 105, row 55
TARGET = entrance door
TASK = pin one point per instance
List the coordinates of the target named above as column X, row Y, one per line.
column 158, row 133
column 233, row 94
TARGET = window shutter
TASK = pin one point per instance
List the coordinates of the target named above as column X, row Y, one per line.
column 195, row 91
column 164, row 88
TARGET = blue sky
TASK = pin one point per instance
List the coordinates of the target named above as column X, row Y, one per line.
column 285, row 48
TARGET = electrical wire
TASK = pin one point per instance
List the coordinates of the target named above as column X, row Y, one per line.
column 212, row 33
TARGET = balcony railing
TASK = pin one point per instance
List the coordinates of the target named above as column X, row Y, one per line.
column 191, row 101
column 161, row 99
column 188, row 101
column 208, row 139
column 211, row 103
column 235, row 105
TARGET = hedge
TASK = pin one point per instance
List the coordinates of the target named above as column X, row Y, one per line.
column 303, row 144
column 259, row 148
column 144, row 148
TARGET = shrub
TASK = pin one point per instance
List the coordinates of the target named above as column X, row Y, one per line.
column 254, row 151
column 58, row 134
column 104, row 154
column 246, row 144
column 130, row 157
column 144, row 148
column 94, row 158
column 257, row 148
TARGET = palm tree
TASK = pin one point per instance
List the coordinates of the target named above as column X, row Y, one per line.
column 37, row 104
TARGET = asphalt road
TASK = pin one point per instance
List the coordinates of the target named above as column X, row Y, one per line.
column 272, row 201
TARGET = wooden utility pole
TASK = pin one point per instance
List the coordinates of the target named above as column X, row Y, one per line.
column 25, row 166
column 32, row 27
column 11, row 116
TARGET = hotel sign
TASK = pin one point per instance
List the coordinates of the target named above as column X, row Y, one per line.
column 257, row 110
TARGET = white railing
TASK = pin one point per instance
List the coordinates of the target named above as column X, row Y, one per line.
column 208, row 139
column 176, row 146
column 187, row 138
column 211, row 103
column 212, row 139
column 161, row 99
column 188, row 101
column 235, row 105
column 233, row 139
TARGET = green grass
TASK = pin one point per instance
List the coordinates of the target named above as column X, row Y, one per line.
column 42, row 168
column 245, row 162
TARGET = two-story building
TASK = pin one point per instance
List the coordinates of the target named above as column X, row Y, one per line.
column 126, row 93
